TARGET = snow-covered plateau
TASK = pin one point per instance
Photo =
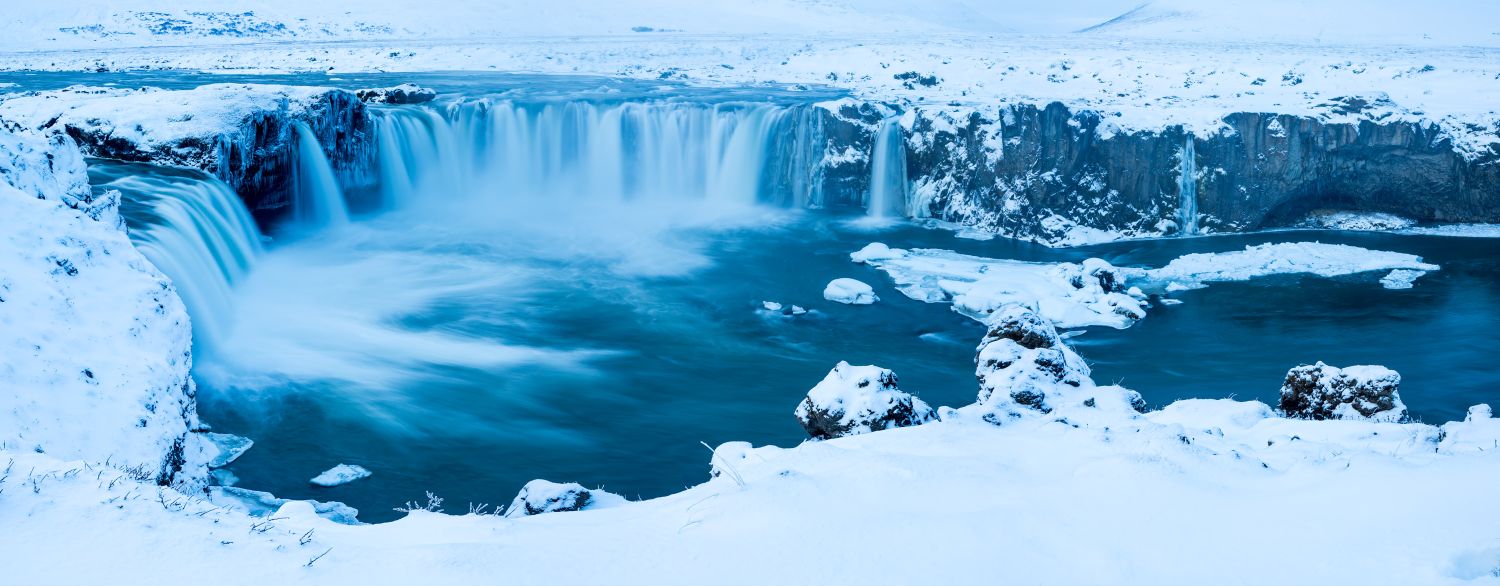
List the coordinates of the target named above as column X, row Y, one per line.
column 1106, row 121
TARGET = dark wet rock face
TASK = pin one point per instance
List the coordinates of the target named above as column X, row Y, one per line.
column 1320, row 392
column 859, row 399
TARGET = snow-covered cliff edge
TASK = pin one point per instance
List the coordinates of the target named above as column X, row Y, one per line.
column 95, row 356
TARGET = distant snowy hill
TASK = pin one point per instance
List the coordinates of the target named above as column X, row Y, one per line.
column 1403, row 22
column 40, row 25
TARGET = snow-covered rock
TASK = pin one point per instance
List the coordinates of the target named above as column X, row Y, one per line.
column 406, row 93
column 850, row 292
column 1021, row 358
column 95, row 356
column 853, row 400
column 1365, row 393
column 541, row 496
column 341, row 474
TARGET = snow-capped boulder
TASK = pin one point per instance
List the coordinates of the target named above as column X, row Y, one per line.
column 1022, row 359
column 850, row 292
column 1364, row 393
column 541, row 496
column 94, row 360
column 859, row 399
column 406, row 93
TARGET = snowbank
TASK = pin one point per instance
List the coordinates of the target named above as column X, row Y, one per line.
column 95, row 357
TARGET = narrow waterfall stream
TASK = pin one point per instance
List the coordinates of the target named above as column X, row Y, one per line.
column 1187, row 189
column 888, row 182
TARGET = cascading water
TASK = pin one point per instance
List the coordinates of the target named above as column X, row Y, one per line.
column 319, row 201
column 888, row 172
column 1187, row 190
column 193, row 228
column 733, row 154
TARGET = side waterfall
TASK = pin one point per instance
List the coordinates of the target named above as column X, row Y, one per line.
column 1187, row 190
column 194, row 228
column 888, row 172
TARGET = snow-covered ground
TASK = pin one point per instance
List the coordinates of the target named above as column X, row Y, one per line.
column 1201, row 492
column 1168, row 64
column 96, row 405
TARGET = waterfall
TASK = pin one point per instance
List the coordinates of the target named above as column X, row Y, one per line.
column 1187, row 189
column 193, row 228
column 730, row 154
column 888, row 172
column 319, row 201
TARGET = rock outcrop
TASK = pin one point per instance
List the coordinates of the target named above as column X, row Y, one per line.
column 859, row 399
column 1365, row 393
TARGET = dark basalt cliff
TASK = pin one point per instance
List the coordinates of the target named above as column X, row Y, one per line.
column 1037, row 172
